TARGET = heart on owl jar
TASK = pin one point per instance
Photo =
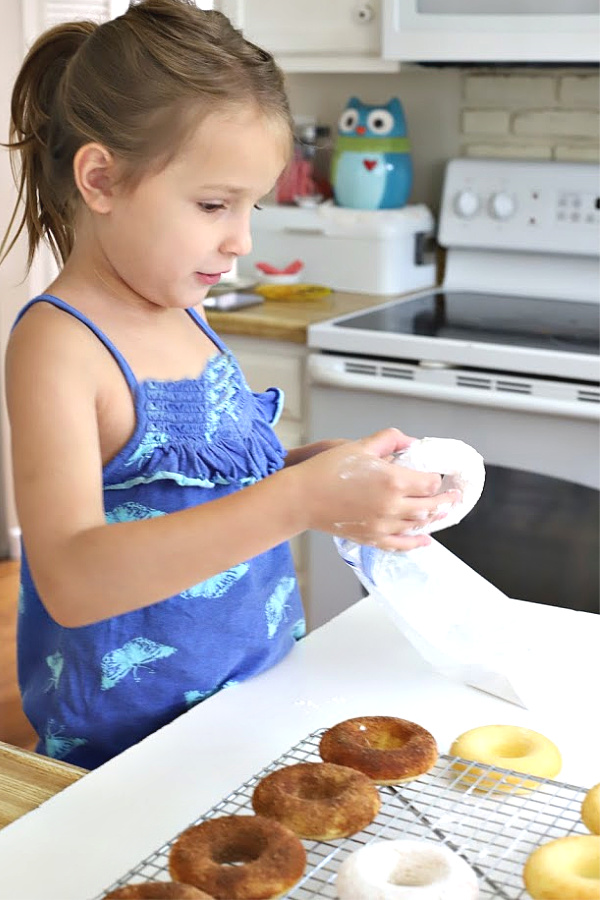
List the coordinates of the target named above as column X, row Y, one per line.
column 371, row 166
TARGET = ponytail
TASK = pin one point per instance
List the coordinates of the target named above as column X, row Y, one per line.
column 45, row 144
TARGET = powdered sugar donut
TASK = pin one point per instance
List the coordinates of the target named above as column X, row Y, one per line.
column 461, row 468
column 406, row 870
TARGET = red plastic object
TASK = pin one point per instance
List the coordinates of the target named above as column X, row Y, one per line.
column 292, row 269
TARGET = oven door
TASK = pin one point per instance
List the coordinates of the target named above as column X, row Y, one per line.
column 491, row 30
column 534, row 533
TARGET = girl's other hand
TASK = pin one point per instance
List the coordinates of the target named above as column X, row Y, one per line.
column 355, row 491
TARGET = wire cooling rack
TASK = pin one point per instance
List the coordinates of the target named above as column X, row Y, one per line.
column 493, row 830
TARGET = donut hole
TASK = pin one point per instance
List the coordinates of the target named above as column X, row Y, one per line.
column 418, row 872
column 589, row 868
column 385, row 740
column 320, row 789
column 515, row 748
column 238, row 852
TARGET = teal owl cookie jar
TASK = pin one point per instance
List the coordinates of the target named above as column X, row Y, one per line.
column 371, row 166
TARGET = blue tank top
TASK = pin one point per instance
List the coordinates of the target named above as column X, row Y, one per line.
column 91, row 692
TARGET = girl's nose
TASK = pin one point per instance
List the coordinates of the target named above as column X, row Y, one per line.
column 238, row 240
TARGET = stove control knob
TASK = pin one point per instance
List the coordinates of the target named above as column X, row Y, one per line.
column 502, row 206
column 466, row 204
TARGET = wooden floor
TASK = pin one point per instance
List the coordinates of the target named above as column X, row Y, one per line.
column 14, row 727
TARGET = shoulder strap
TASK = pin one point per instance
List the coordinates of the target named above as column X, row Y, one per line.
column 212, row 335
column 60, row 304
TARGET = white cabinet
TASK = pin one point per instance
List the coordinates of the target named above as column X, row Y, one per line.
column 38, row 15
column 281, row 364
column 312, row 35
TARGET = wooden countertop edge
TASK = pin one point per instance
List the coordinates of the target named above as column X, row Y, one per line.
column 226, row 324
column 28, row 779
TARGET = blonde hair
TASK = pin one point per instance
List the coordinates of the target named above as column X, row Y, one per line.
column 136, row 84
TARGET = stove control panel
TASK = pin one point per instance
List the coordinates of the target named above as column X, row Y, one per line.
column 547, row 207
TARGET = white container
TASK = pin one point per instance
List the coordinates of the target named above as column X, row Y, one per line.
column 359, row 251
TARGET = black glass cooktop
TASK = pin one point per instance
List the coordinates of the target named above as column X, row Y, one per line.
column 557, row 325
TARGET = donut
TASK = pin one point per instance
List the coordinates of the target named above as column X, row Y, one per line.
column 508, row 747
column 272, row 858
column 461, row 468
column 319, row 801
column 158, row 890
column 387, row 749
column 565, row 869
column 406, row 870
column 590, row 809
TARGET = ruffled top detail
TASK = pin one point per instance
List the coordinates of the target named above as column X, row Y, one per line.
column 209, row 431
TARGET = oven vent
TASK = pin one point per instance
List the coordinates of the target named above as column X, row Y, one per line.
column 360, row 368
column 405, row 374
column 588, row 396
column 474, row 381
column 514, row 387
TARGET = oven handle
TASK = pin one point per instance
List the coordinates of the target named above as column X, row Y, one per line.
column 326, row 370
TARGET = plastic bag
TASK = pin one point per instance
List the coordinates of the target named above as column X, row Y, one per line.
column 461, row 624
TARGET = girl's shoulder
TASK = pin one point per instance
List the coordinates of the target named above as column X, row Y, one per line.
column 47, row 344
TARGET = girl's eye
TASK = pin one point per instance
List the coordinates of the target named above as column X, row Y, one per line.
column 257, row 206
column 211, row 207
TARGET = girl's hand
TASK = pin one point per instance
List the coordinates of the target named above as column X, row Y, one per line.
column 355, row 491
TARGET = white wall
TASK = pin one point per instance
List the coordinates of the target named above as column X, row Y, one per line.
column 528, row 113
column 13, row 287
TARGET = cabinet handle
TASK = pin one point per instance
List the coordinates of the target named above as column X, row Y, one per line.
column 290, row 230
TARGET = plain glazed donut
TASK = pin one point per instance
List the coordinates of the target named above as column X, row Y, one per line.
column 158, row 890
column 565, row 869
column 508, row 747
column 461, row 468
column 590, row 809
column 273, row 858
column 406, row 870
column 387, row 749
column 318, row 801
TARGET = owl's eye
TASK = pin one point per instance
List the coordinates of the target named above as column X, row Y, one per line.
column 380, row 121
column 348, row 120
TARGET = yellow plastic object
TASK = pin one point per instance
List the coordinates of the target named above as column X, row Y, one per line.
column 296, row 292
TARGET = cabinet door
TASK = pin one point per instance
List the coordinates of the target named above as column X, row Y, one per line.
column 38, row 15
column 336, row 35
column 337, row 26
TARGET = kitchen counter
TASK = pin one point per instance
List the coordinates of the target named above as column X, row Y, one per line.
column 28, row 779
column 287, row 320
column 91, row 833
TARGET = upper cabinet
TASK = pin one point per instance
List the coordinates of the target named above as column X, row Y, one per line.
column 491, row 31
column 314, row 35
column 38, row 15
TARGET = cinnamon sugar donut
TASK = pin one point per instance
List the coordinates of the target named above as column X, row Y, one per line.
column 387, row 749
column 158, row 890
column 271, row 857
column 319, row 801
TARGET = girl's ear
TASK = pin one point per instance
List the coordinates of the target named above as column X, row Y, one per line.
column 94, row 171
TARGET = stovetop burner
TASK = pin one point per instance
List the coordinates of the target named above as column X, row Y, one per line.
column 554, row 325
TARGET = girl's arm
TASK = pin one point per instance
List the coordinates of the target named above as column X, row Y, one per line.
column 307, row 451
column 87, row 570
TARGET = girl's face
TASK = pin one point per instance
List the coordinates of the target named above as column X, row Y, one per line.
column 171, row 237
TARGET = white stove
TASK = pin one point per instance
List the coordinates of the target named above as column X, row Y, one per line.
column 503, row 355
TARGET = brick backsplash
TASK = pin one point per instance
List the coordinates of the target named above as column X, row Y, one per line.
column 552, row 114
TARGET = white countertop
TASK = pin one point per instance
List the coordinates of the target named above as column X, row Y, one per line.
column 86, row 837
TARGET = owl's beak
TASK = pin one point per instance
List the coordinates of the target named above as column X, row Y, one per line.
column 360, row 129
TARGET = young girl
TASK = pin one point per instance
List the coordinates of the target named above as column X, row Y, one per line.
column 154, row 498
